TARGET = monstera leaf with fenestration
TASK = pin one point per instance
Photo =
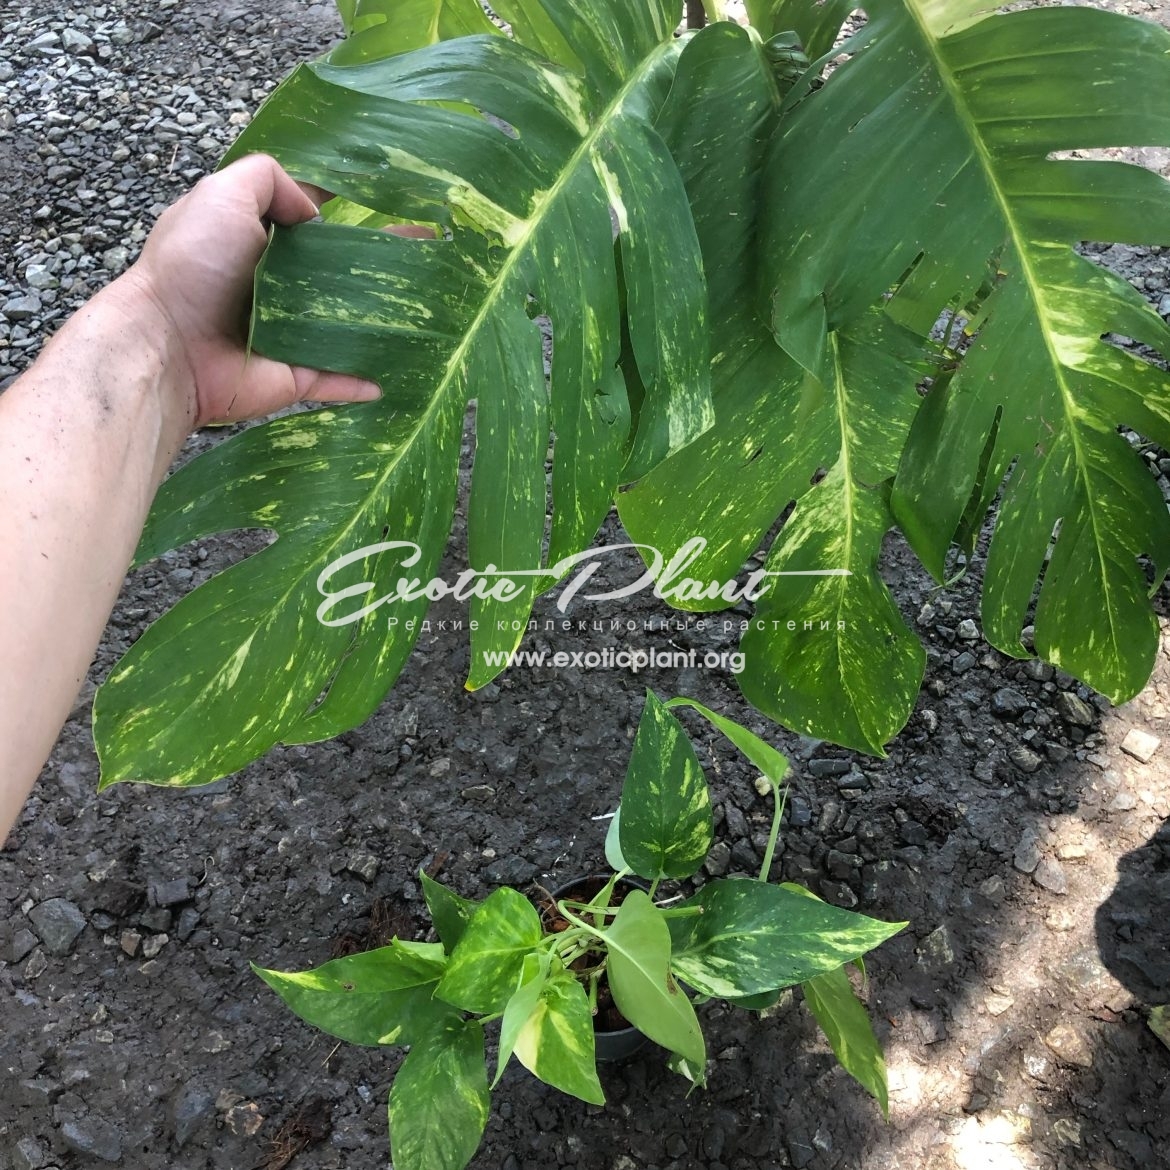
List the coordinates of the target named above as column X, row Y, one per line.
column 887, row 194
column 523, row 156
column 854, row 672
column 788, row 237
column 929, row 151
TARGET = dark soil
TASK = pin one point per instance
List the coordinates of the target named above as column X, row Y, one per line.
column 1028, row 852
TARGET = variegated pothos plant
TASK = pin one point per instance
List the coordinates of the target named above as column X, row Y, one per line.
column 539, row 974
column 743, row 254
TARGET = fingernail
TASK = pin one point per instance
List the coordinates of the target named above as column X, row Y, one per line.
column 367, row 392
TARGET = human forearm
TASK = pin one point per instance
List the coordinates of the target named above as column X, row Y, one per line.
column 86, row 435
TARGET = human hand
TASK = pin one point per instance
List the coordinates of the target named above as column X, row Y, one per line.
column 194, row 280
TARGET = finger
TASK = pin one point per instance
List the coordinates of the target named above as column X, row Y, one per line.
column 322, row 386
column 271, row 187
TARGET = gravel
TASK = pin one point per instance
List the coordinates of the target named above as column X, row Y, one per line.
column 108, row 112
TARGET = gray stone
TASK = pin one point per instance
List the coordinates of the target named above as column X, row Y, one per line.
column 1039, row 671
column 799, row 813
column 23, row 943
column 38, row 276
column 1008, row 703
column 744, row 858
column 118, row 897
column 58, row 923
column 93, row 1137
column 188, row 920
column 483, row 793
column 170, row 893
column 718, row 860
column 75, row 41
column 968, row 630
column 1073, row 709
column 1069, row 1046
column 1024, row 758
column 963, row 662
column 800, row 1148
column 22, row 307
column 1049, row 875
column 735, row 821
column 152, row 947
column 29, row 1154
column 935, row 951
column 190, row 1107
column 842, row 865
column 115, row 259
column 829, row 767
column 363, row 865
column 510, row 871
column 158, row 919
column 1027, row 855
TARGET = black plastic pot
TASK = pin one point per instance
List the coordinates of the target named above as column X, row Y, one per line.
column 624, row 1042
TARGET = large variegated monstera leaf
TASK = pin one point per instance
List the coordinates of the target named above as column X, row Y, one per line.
column 778, row 426
column 925, row 157
column 930, row 149
column 532, row 160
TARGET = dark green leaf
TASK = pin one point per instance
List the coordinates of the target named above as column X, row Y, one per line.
column 815, row 22
column 436, row 323
column 449, row 912
column 385, row 996
column 827, row 655
column 485, row 965
column 753, row 937
column 439, row 1101
column 665, row 827
column 943, row 128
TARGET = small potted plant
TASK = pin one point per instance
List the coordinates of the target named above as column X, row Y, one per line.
column 560, row 972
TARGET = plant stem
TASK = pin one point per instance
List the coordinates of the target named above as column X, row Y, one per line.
column 779, row 799
column 654, row 888
column 696, row 14
column 714, row 10
column 682, row 912
column 586, row 906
